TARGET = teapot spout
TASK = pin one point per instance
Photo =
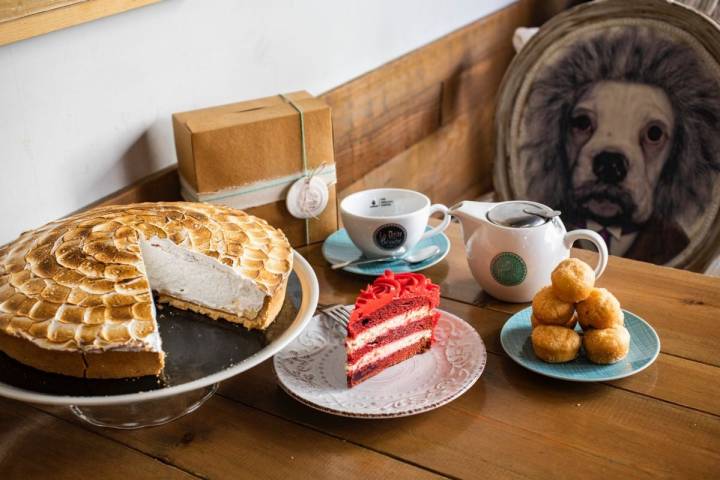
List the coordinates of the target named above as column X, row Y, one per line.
column 472, row 215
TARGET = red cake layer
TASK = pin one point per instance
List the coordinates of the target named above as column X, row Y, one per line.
column 386, row 362
column 387, row 298
column 427, row 322
column 397, row 307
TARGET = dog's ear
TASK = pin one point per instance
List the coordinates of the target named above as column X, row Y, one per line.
column 688, row 177
column 546, row 122
column 687, row 180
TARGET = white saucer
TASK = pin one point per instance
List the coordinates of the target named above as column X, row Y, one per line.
column 312, row 370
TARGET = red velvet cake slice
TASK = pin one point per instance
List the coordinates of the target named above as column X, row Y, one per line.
column 394, row 319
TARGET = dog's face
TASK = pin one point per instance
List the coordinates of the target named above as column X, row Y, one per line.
column 618, row 138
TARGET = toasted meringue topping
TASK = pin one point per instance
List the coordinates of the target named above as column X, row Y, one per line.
column 81, row 284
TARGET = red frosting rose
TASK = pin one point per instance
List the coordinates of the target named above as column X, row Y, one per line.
column 391, row 285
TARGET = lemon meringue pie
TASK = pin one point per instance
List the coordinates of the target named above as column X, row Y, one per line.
column 76, row 294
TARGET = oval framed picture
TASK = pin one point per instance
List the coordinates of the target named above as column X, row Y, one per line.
column 611, row 114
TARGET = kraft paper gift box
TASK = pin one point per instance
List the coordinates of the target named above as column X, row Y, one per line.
column 247, row 155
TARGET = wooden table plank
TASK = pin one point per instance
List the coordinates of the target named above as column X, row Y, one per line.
column 682, row 306
column 515, row 424
column 514, row 417
column 677, row 380
column 662, row 422
column 672, row 379
column 34, row 444
column 511, row 424
column 224, row 439
column 452, row 274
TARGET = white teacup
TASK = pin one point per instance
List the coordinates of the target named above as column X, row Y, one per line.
column 389, row 221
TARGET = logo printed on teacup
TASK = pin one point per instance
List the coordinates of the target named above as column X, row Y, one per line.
column 384, row 202
column 390, row 236
column 508, row 269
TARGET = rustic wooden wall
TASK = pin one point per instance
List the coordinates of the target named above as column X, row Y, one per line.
column 423, row 121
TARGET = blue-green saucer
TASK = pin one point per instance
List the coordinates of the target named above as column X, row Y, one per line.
column 644, row 349
column 339, row 248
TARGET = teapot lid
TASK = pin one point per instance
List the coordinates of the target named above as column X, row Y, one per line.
column 520, row 214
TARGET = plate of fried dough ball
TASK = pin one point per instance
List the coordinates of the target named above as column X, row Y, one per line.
column 576, row 331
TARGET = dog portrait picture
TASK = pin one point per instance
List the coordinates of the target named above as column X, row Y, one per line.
column 620, row 131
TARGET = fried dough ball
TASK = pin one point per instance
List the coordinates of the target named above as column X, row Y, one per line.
column 555, row 344
column 570, row 324
column 607, row 345
column 600, row 310
column 573, row 280
column 549, row 309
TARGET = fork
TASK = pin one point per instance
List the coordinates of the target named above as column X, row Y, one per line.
column 337, row 312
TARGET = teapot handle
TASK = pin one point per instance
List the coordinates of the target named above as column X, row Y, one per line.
column 597, row 240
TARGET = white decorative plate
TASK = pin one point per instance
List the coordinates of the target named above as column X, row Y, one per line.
column 312, row 370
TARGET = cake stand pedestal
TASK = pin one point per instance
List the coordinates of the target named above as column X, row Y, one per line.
column 148, row 413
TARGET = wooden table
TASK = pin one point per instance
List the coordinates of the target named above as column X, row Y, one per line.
column 662, row 422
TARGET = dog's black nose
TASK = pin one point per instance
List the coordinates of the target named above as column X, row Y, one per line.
column 610, row 167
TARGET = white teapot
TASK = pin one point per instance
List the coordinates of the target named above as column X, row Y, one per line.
column 512, row 247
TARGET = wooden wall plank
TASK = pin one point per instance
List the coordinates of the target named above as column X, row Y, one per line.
column 12, row 9
column 163, row 185
column 432, row 165
column 465, row 66
column 370, row 145
column 58, row 15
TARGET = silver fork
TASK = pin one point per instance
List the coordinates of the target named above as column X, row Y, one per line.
column 337, row 312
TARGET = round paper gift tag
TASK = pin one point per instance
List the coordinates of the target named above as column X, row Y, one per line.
column 307, row 197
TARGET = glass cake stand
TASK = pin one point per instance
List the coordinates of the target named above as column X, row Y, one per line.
column 150, row 413
column 200, row 353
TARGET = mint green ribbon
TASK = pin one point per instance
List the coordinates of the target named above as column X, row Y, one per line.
column 304, row 154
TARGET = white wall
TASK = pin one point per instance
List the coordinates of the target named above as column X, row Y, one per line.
column 86, row 110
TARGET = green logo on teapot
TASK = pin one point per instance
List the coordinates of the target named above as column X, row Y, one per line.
column 508, row 269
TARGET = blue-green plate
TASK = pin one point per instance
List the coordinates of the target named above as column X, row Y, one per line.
column 339, row 248
column 644, row 349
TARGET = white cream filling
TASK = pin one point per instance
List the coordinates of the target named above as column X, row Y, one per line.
column 380, row 329
column 389, row 349
column 199, row 279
